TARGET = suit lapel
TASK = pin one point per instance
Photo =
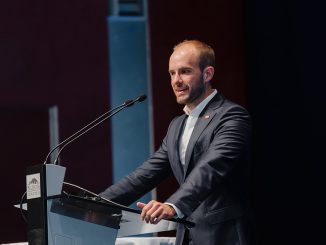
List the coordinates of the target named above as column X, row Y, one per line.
column 179, row 124
column 204, row 119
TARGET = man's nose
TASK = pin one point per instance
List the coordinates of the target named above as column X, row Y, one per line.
column 176, row 79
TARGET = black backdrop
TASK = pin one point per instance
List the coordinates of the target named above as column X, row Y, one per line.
column 285, row 73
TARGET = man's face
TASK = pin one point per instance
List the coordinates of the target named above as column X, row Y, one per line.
column 186, row 77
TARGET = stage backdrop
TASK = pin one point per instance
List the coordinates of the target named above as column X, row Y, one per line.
column 56, row 53
column 52, row 53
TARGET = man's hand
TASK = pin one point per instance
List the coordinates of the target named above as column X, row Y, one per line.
column 154, row 211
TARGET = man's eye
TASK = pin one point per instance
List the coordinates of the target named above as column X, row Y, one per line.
column 186, row 71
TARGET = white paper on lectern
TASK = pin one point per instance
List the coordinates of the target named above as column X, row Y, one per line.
column 55, row 175
column 131, row 224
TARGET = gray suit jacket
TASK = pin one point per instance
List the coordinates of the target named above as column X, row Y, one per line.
column 214, row 182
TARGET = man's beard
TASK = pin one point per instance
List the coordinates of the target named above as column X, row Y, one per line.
column 194, row 94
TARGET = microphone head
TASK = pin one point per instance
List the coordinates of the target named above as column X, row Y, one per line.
column 141, row 97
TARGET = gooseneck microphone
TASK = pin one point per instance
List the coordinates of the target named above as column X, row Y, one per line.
column 92, row 125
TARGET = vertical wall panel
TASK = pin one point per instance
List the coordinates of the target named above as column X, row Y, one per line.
column 128, row 79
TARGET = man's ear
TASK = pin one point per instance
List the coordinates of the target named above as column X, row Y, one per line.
column 208, row 73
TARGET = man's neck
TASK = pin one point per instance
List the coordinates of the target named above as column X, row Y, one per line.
column 188, row 109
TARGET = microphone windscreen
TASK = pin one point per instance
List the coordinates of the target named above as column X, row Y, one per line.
column 142, row 97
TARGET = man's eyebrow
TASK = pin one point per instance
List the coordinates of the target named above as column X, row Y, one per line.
column 185, row 68
column 181, row 68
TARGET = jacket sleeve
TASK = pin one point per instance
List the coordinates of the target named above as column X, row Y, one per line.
column 142, row 180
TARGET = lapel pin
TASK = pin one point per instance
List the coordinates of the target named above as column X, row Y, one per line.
column 206, row 116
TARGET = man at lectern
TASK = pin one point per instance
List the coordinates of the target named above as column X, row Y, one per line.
column 206, row 149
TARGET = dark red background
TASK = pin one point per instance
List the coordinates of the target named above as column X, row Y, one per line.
column 269, row 59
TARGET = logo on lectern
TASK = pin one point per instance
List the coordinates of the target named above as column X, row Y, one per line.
column 33, row 186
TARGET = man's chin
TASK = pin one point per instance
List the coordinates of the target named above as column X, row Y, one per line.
column 182, row 100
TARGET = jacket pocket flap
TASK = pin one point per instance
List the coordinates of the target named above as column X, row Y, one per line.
column 224, row 214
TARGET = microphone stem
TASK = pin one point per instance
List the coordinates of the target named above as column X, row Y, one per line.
column 84, row 128
column 90, row 127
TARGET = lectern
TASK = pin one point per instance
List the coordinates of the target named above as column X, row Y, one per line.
column 55, row 218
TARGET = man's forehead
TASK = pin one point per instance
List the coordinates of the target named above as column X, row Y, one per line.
column 183, row 60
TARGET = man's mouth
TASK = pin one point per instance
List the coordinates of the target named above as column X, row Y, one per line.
column 180, row 91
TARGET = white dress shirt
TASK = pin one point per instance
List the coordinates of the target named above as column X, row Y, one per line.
column 187, row 131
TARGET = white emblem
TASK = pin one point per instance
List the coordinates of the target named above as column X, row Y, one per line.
column 33, row 186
